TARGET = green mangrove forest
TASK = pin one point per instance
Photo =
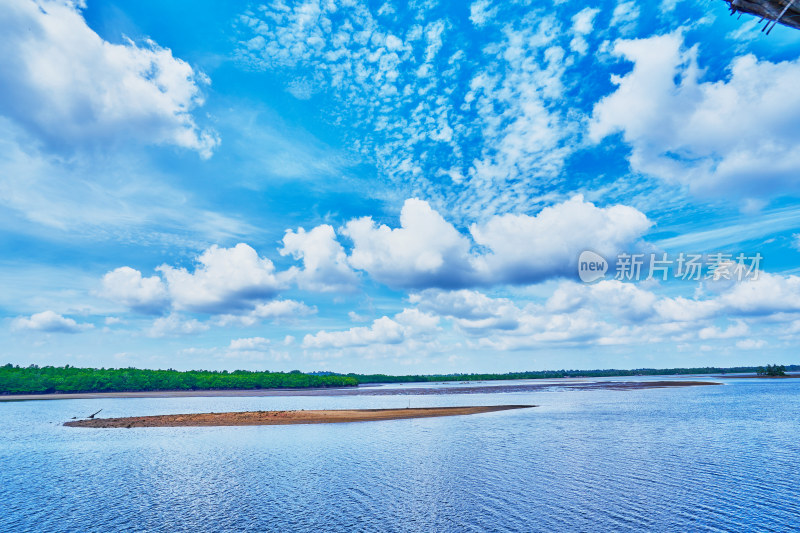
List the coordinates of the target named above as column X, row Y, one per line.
column 46, row 379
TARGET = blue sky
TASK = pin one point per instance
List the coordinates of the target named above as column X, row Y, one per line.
column 401, row 188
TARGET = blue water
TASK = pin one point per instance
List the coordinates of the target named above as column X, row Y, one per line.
column 721, row 458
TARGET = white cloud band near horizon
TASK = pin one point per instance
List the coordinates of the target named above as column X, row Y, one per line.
column 424, row 251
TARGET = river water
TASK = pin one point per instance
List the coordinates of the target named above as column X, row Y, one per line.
column 711, row 458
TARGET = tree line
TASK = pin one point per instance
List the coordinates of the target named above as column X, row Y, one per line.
column 34, row 379
column 551, row 374
column 48, row 379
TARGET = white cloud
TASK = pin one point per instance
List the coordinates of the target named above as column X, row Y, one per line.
column 383, row 330
column 301, row 89
column 425, row 250
column 616, row 298
column 355, row 317
column 49, row 322
column 325, row 265
column 472, row 311
column 669, row 5
column 240, row 288
column 174, row 325
column 480, row 13
column 526, row 144
column 537, row 328
column 462, row 303
column 617, row 313
column 417, row 320
column 505, row 133
column 255, row 349
column 274, row 310
column 249, row 344
column 127, row 286
column 733, row 137
column 224, row 280
column 681, row 309
column 500, row 324
column 735, row 330
column 69, row 87
column 582, row 25
column 527, row 249
column 751, row 344
column 769, row 294
column 406, row 326
column 234, row 284
column 625, row 16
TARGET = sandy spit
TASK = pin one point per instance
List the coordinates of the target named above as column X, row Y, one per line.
column 269, row 418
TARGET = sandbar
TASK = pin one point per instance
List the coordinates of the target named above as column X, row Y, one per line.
column 271, row 418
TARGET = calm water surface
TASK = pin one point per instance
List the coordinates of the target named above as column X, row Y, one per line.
column 720, row 458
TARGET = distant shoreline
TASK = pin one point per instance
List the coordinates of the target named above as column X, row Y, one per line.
column 272, row 418
column 762, row 377
column 376, row 390
column 35, row 382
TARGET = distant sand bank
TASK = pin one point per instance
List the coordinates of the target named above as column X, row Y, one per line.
column 384, row 390
column 270, row 418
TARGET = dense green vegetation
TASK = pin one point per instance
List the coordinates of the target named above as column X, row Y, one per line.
column 772, row 370
column 47, row 379
column 35, row 379
column 549, row 374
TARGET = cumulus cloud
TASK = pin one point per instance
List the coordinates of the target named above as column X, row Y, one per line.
column 49, row 322
column 254, row 349
column 738, row 329
column 499, row 323
column 405, row 326
column 751, row 344
column 622, row 300
column 733, row 137
column 526, row 249
column 249, row 344
column 69, row 87
column 769, row 294
column 224, row 280
column 472, row 311
column 174, row 325
column 325, row 266
column 383, row 330
column 234, row 284
column 127, row 286
column 613, row 312
column 425, row 250
column 274, row 310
